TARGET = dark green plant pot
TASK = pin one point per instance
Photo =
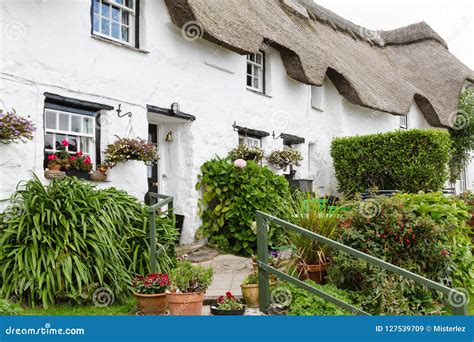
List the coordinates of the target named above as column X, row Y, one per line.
column 217, row 312
column 77, row 173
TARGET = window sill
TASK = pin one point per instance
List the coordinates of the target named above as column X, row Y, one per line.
column 259, row 93
column 111, row 41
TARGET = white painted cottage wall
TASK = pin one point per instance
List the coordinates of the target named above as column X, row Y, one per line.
column 56, row 53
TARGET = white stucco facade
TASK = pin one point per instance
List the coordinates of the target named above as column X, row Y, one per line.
column 60, row 56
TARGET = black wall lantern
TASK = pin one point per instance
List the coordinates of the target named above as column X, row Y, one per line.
column 175, row 108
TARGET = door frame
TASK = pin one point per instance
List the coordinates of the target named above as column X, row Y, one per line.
column 158, row 165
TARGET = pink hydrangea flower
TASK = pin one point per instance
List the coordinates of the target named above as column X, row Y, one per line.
column 240, row 163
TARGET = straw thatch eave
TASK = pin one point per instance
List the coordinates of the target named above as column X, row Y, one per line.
column 382, row 70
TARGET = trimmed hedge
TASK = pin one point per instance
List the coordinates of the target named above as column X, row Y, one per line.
column 408, row 161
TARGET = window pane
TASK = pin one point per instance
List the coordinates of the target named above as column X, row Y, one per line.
column 116, row 14
column 96, row 6
column 105, row 28
column 76, row 123
column 259, row 58
column 96, row 24
column 48, row 141
column 129, row 3
column 73, row 144
column 252, row 57
column 256, row 83
column 86, row 145
column 125, row 31
column 51, row 120
column 115, row 30
column 57, row 142
column 63, row 122
column 125, row 18
column 120, row 2
column 249, row 81
column 88, row 125
column 105, row 10
column 249, row 69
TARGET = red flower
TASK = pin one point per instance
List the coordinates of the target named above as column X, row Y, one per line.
column 79, row 154
column 444, row 252
column 72, row 158
column 229, row 294
column 65, row 143
column 220, row 299
column 51, row 157
column 88, row 160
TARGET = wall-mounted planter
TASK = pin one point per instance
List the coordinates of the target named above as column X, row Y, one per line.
column 130, row 176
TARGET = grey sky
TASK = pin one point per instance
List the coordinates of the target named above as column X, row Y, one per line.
column 452, row 19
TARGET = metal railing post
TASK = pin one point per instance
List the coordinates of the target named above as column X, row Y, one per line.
column 262, row 258
column 153, row 240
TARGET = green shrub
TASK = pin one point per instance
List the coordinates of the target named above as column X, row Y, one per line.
column 8, row 308
column 231, row 197
column 59, row 242
column 408, row 161
column 189, row 278
column 423, row 233
column 304, row 303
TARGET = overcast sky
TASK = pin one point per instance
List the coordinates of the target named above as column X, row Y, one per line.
column 452, row 19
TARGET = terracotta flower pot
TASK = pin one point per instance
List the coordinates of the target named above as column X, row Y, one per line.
column 185, row 304
column 152, row 304
column 316, row 273
column 54, row 167
column 250, row 294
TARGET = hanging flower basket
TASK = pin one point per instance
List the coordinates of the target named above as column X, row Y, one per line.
column 14, row 128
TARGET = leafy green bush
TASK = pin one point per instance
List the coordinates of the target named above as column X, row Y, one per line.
column 231, row 197
column 189, row 278
column 304, row 303
column 408, row 161
column 8, row 308
column 59, row 242
column 423, row 233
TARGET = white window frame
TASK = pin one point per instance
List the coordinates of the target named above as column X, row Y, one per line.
column 463, row 181
column 131, row 20
column 250, row 141
column 404, row 121
column 257, row 72
column 69, row 133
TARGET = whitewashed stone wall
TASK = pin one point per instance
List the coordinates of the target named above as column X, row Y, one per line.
column 47, row 47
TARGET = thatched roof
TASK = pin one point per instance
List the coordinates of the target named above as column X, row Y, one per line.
column 383, row 70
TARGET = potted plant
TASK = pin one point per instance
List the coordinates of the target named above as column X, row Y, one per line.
column 54, row 163
column 14, row 128
column 79, row 165
column 188, row 284
column 246, row 152
column 312, row 257
column 228, row 305
column 250, row 290
column 281, row 159
column 125, row 149
column 150, row 293
column 100, row 174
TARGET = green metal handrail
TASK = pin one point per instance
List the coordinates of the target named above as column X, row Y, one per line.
column 165, row 200
column 264, row 270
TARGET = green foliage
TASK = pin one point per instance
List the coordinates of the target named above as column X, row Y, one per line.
column 304, row 303
column 462, row 134
column 189, row 278
column 423, row 233
column 251, row 279
column 408, row 161
column 59, row 242
column 309, row 214
column 231, row 197
column 246, row 152
column 8, row 308
column 125, row 149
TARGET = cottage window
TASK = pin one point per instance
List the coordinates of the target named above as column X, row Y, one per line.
column 115, row 19
column 403, row 121
column 250, row 141
column 256, row 72
column 77, row 129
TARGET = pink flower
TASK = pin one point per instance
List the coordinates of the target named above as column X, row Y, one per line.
column 51, row 157
column 65, row 143
column 72, row 158
column 444, row 252
column 240, row 163
column 88, row 160
column 79, row 154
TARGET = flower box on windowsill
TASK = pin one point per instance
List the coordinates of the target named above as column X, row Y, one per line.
column 77, row 173
column 51, row 174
